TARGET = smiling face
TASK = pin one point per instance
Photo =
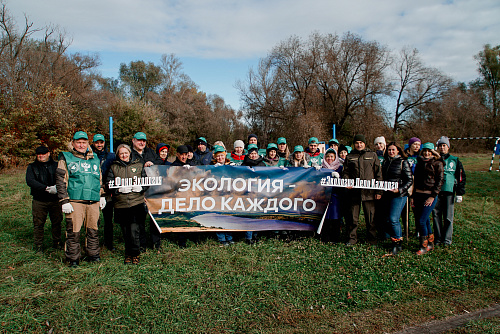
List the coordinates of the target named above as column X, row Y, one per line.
column 343, row 154
column 124, row 154
column 139, row 144
column 99, row 145
column 43, row 157
column 254, row 155
column 392, row 151
column 313, row 147
column 380, row 146
column 426, row 153
column 164, row 153
column 182, row 157
column 282, row 147
column 330, row 157
column 359, row 145
column 252, row 140
column 298, row 155
column 220, row 157
column 272, row 154
column 238, row 150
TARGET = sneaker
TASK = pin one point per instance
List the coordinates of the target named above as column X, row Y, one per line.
column 135, row 260
column 422, row 251
column 128, row 260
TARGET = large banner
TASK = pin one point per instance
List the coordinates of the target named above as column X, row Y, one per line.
column 236, row 198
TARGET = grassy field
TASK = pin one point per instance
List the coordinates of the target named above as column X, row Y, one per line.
column 301, row 286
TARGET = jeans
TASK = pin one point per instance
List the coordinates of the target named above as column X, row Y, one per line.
column 396, row 205
column 224, row 236
column 443, row 217
column 422, row 213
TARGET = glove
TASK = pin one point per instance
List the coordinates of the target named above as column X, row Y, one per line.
column 335, row 175
column 67, row 208
column 307, row 166
column 102, row 203
column 137, row 189
column 218, row 164
column 459, row 199
column 317, row 167
column 187, row 166
column 125, row 190
column 51, row 190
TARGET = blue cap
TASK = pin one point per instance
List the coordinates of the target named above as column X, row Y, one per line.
column 80, row 135
column 98, row 137
column 140, row 136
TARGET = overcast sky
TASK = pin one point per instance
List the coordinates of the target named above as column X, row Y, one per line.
column 218, row 41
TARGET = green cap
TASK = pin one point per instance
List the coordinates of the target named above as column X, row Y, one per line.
column 333, row 140
column 298, row 148
column 80, row 135
column 313, row 140
column 272, row 146
column 429, row 146
column 218, row 148
column 140, row 135
column 281, row 140
column 348, row 148
column 202, row 139
column 98, row 137
column 252, row 147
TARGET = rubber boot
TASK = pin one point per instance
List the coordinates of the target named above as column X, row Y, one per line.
column 430, row 244
column 396, row 246
column 423, row 245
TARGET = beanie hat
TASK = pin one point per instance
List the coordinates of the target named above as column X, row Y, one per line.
column 239, row 143
column 359, row 138
column 413, row 140
column 251, row 136
column 444, row 140
column 380, row 139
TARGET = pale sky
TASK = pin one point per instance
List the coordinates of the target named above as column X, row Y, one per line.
column 218, row 41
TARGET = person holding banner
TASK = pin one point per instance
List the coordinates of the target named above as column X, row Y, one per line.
column 253, row 159
column 202, row 154
column 313, row 152
column 331, row 229
column 428, row 178
column 363, row 164
column 128, row 200
column 271, row 159
column 79, row 189
column 333, row 143
column 238, row 155
column 162, row 150
column 298, row 158
column 395, row 169
column 283, row 151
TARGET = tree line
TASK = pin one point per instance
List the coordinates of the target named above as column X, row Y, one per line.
column 300, row 89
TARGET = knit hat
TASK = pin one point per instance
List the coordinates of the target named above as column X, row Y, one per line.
column 380, row 139
column 444, row 140
column 201, row 140
column 428, row 146
column 359, row 137
column 251, row 136
column 413, row 140
column 239, row 143
column 41, row 150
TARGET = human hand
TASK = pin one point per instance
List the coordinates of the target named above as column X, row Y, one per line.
column 317, row 167
column 137, row 189
column 378, row 196
column 148, row 163
column 459, row 199
column 186, row 166
column 102, row 202
column 336, row 175
column 51, row 190
column 125, row 190
column 429, row 201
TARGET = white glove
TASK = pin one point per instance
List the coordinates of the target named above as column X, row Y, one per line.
column 137, row 189
column 317, row 167
column 102, row 203
column 187, row 166
column 67, row 208
column 459, row 199
column 218, row 164
column 125, row 190
column 51, row 190
column 307, row 166
column 335, row 175
column 283, row 167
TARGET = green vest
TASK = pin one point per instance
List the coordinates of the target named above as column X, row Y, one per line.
column 83, row 178
column 450, row 167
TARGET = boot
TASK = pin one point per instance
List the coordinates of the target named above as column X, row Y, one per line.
column 423, row 245
column 396, row 246
column 430, row 245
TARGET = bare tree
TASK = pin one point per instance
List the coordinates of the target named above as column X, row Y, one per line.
column 415, row 85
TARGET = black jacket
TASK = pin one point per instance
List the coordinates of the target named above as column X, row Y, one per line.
column 252, row 163
column 398, row 170
column 147, row 155
column 39, row 176
column 429, row 175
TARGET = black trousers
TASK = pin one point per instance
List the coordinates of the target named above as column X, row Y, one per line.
column 130, row 220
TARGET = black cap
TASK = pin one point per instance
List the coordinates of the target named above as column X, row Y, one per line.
column 182, row 149
column 190, row 148
column 42, row 150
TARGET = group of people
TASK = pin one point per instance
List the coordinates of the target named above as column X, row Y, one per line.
column 76, row 185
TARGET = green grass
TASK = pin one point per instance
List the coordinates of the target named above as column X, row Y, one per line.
column 302, row 286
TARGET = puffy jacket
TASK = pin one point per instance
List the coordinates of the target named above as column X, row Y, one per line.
column 126, row 170
column 203, row 158
column 398, row 170
column 429, row 175
column 252, row 163
column 291, row 162
column 39, row 176
column 364, row 165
